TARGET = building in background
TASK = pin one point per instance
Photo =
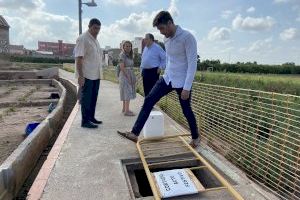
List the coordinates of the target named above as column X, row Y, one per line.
column 137, row 43
column 57, row 48
column 4, row 35
column 16, row 49
column 113, row 56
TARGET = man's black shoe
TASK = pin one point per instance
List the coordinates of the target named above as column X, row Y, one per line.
column 96, row 121
column 89, row 125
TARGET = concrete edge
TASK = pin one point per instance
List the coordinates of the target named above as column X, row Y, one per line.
column 40, row 182
column 28, row 103
column 48, row 73
column 27, row 81
column 16, row 168
column 37, row 188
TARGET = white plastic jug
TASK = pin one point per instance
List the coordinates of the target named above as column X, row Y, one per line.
column 154, row 126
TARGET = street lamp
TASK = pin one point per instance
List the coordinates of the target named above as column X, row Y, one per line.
column 90, row 4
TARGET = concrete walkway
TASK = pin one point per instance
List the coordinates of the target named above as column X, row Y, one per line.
column 89, row 164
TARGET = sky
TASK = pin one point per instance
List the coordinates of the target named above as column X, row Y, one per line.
column 265, row 31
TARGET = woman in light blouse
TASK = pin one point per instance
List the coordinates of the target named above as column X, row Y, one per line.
column 127, row 79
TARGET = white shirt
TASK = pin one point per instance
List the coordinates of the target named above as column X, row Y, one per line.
column 88, row 47
column 153, row 56
column 181, row 59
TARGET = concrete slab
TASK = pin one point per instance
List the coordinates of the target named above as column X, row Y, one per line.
column 89, row 165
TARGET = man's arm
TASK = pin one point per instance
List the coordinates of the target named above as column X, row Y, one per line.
column 191, row 54
column 79, row 61
column 79, row 54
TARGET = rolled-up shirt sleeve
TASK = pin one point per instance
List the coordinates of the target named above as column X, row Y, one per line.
column 191, row 54
column 79, row 47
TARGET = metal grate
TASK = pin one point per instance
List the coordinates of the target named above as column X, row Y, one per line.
column 156, row 153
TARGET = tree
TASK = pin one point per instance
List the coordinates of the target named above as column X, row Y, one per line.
column 137, row 59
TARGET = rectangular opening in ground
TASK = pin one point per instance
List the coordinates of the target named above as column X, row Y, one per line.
column 139, row 185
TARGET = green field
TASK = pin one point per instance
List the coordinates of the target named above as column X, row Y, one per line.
column 287, row 84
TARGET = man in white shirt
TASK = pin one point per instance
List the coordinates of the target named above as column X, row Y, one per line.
column 88, row 58
column 181, row 66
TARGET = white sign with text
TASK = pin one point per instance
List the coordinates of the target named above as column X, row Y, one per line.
column 175, row 182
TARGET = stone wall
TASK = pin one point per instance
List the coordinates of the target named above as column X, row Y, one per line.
column 4, row 40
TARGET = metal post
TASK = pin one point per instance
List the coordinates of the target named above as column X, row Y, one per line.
column 79, row 14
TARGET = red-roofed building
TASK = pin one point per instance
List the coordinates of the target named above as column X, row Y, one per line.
column 57, row 48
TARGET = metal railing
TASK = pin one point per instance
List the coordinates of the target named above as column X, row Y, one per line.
column 257, row 131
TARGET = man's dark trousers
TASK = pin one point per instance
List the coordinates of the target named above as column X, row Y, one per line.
column 150, row 77
column 89, row 94
column 159, row 90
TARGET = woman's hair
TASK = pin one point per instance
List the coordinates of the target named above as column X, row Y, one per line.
column 131, row 52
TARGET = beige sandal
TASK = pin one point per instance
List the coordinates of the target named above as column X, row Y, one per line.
column 130, row 114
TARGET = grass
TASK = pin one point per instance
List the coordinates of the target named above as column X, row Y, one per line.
column 8, row 110
column 30, row 66
column 70, row 67
column 30, row 92
column 8, row 91
column 286, row 84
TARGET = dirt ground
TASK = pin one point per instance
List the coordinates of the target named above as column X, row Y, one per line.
column 13, row 119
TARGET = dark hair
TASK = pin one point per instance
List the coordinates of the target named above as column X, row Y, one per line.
column 150, row 36
column 131, row 52
column 94, row 21
column 163, row 17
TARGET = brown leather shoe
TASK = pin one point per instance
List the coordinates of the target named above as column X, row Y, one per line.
column 128, row 135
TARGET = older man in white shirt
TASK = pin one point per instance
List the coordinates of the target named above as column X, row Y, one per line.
column 181, row 66
column 153, row 60
column 88, row 58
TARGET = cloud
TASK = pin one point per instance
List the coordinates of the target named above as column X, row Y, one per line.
column 29, row 23
column 126, row 2
column 290, row 34
column 253, row 24
column 226, row 14
column 30, row 26
column 22, row 4
column 281, row 1
column 173, row 9
column 251, row 9
column 136, row 24
column 42, row 26
column 216, row 33
column 260, row 45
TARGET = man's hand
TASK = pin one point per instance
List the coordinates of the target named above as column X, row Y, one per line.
column 81, row 81
column 185, row 94
column 158, row 70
